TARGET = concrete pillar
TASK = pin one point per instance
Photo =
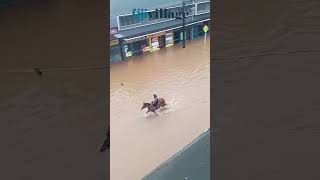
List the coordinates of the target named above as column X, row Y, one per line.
column 192, row 29
column 121, row 49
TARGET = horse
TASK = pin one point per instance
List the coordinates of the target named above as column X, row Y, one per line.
column 151, row 108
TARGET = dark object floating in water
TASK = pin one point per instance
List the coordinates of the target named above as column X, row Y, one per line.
column 37, row 70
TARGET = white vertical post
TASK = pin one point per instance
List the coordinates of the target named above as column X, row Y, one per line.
column 205, row 38
column 118, row 22
column 196, row 9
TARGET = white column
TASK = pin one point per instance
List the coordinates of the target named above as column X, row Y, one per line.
column 192, row 32
column 205, row 38
column 196, row 8
column 118, row 23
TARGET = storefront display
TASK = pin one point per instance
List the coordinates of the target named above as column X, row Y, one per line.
column 127, row 50
column 145, row 48
column 128, row 54
column 137, row 46
column 169, row 39
column 154, row 41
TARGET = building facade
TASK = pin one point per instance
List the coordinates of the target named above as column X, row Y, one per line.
column 137, row 36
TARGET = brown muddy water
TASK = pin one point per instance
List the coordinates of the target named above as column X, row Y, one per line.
column 140, row 142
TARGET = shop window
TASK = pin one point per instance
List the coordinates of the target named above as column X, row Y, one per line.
column 169, row 39
column 115, row 54
column 127, row 50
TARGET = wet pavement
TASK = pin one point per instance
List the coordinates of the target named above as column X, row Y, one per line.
column 191, row 163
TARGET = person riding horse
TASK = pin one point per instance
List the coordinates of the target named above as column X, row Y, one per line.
column 154, row 105
column 155, row 101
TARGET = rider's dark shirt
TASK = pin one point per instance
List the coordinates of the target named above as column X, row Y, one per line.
column 155, row 102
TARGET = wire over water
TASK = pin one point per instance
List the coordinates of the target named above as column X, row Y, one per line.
column 224, row 58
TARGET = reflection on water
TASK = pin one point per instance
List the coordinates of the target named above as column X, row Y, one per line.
column 140, row 142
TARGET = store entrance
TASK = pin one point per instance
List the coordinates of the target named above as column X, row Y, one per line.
column 162, row 41
column 188, row 34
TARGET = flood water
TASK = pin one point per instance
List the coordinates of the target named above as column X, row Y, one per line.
column 140, row 142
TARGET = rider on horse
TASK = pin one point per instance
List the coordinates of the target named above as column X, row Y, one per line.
column 155, row 101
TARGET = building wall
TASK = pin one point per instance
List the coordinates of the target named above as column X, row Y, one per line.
column 130, row 21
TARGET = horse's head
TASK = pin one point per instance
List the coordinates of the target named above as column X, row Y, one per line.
column 144, row 105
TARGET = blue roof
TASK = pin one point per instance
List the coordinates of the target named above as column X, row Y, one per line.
column 192, row 163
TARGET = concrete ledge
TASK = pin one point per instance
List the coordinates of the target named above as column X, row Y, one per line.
column 191, row 163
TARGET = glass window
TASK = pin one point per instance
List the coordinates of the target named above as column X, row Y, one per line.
column 115, row 54
column 127, row 20
column 204, row 7
column 121, row 20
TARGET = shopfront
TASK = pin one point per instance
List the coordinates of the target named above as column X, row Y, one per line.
column 188, row 33
column 198, row 29
column 115, row 52
column 139, row 45
column 136, row 46
column 157, row 41
column 127, row 49
column 169, row 39
column 177, row 36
